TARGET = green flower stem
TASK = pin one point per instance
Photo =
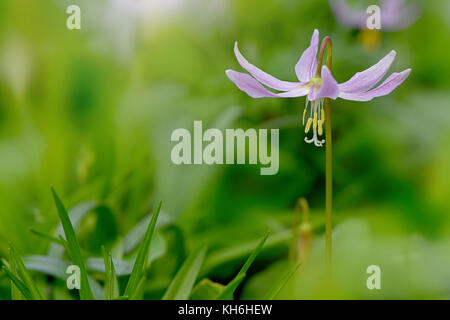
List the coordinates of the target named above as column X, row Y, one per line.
column 326, row 43
column 328, row 185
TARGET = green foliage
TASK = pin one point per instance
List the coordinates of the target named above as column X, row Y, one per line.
column 111, row 282
column 206, row 290
column 141, row 259
column 74, row 248
column 184, row 280
column 93, row 116
column 281, row 283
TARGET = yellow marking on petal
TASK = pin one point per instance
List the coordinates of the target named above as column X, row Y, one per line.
column 308, row 125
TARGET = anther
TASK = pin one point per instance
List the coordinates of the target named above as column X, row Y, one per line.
column 308, row 125
column 315, row 121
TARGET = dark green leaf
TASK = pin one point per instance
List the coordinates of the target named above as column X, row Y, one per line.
column 74, row 247
column 141, row 259
column 182, row 284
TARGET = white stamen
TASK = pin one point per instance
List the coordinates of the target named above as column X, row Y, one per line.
column 316, row 107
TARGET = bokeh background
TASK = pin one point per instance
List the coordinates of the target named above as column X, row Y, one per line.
column 90, row 112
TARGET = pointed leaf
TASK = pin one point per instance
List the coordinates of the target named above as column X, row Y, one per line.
column 18, row 283
column 74, row 248
column 23, row 273
column 182, row 284
column 253, row 255
column 141, row 259
column 15, row 292
column 280, row 284
column 227, row 293
column 111, row 282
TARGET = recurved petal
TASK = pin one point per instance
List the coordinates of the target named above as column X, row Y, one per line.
column 306, row 65
column 256, row 90
column 262, row 76
column 392, row 82
column 363, row 81
column 328, row 89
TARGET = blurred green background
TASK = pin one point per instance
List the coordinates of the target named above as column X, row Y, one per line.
column 90, row 112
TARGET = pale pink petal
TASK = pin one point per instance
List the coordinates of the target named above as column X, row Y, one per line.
column 328, row 89
column 262, row 76
column 347, row 16
column 397, row 15
column 307, row 64
column 363, row 81
column 392, row 82
column 256, row 90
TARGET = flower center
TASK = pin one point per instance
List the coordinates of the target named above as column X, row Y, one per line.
column 316, row 81
column 315, row 119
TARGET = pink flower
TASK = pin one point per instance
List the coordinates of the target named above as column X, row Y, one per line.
column 360, row 87
column 395, row 14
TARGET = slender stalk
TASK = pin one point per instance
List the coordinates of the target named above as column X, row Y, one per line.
column 328, row 185
column 326, row 43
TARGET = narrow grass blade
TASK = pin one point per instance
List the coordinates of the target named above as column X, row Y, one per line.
column 15, row 292
column 141, row 259
column 18, row 284
column 59, row 241
column 111, row 282
column 280, row 284
column 253, row 255
column 138, row 294
column 227, row 293
column 74, row 248
column 23, row 273
column 182, row 284
column 242, row 250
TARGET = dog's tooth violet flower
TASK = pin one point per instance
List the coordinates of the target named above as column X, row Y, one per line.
column 317, row 86
column 317, row 83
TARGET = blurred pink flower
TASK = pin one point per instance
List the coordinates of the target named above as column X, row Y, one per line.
column 395, row 14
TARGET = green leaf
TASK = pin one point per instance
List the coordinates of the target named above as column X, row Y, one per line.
column 15, row 292
column 76, row 215
column 253, row 255
column 138, row 294
column 47, row 265
column 240, row 251
column 227, row 293
column 18, row 283
column 141, row 259
column 59, row 241
column 135, row 235
column 121, row 267
column 74, row 248
column 182, row 284
column 280, row 284
column 111, row 282
column 206, row 290
column 23, row 273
